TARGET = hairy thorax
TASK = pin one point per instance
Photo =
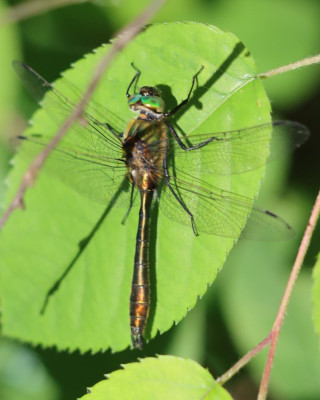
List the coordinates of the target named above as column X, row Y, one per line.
column 145, row 147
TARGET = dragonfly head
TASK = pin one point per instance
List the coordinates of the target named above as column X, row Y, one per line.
column 147, row 101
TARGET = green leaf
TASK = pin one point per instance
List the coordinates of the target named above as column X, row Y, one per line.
column 9, row 87
column 9, row 84
column 165, row 377
column 278, row 38
column 316, row 295
column 89, row 309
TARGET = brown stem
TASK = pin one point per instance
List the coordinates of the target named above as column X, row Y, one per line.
column 243, row 361
column 237, row 366
column 32, row 8
column 290, row 67
column 272, row 338
column 287, row 293
column 124, row 37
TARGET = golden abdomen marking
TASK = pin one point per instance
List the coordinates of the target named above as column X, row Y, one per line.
column 144, row 150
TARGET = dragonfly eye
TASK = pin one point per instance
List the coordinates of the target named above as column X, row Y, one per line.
column 155, row 103
column 149, row 98
column 134, row 99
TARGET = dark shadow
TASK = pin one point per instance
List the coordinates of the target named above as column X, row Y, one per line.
column 166, row 94
column 199, row 91
column 83, row 244
column 152, row 266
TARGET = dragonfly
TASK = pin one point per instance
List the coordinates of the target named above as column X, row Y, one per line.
column 159, row 163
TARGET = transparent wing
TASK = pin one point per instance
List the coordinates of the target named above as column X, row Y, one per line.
column 101, row 113
column 219, row 212
column 94, row 175
column 87, row 132
column 239, row 150
column 89, row 157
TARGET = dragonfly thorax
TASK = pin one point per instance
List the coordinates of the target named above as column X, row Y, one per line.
column 148, row 103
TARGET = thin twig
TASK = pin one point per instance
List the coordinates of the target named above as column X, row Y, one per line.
column 124, row 37
column 287, row 293
column 32, row 8
column 274, row 333
column 243, row 361
column 290, row 67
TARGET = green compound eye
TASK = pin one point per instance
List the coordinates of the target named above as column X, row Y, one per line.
column 134, row 99
column 153, row 102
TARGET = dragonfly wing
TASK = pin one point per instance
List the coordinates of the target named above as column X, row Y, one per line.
column 239, row 150
column 87, row 133
column 89, row 157
column 100, row 112
column 94, row 175
column 219, row 212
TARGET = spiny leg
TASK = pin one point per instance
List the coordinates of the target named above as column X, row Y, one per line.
column 185, row 101
column 179, row 200
column 172, row 112
column 182, row 145
column 111, row 130
column 133, row 79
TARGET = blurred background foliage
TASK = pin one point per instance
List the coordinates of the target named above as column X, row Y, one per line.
column 238, row 310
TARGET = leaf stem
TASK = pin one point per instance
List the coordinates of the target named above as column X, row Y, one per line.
column 286, row 296
column 243, row 361
column 273, row 336
column 124, row 37
column 290, row 67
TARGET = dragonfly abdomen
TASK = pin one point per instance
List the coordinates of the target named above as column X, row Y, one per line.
column 140, row 289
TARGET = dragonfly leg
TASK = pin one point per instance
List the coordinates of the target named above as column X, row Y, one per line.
column 133, row 79
column 185, row 101
column 110, row 129
column 179, row 200
column 182, row 145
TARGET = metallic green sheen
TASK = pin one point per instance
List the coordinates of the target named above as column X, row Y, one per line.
column 134, row 99
column 153, row 102
column 150, row 101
